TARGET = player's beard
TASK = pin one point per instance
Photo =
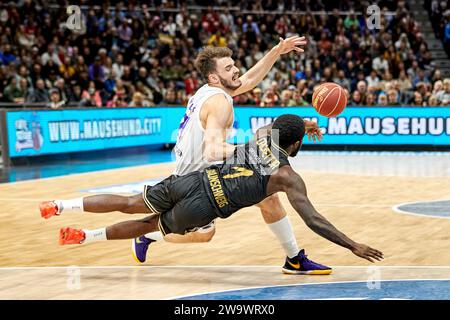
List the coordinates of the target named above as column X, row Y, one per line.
column 293, row 154
column 229, row 84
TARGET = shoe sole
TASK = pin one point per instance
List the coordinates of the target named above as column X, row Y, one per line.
column 133, row 252
column 310, row 272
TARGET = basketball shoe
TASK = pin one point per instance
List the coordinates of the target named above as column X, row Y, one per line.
column 71, row 236
column 139, row 248
column 48, row 209
column 300, row 264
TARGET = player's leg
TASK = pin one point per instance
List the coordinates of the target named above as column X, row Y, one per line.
column 276, row 218
column 190, row 220
column 98, row 204
column 278, row 222
column 204, row 234
column 119, row 231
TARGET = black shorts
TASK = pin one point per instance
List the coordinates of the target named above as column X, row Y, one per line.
column 182, row 203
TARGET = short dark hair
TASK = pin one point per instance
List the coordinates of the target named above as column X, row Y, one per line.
column 206, row 59
column 291, row 128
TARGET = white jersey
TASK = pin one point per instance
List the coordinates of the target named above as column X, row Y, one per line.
column 189, row 146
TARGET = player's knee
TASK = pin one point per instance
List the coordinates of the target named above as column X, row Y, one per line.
column 271, row 209
column 273, row 198
column 270, row 203
column 202, row 236
column 210, row 235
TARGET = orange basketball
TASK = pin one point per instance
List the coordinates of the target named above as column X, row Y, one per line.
column 329, row 99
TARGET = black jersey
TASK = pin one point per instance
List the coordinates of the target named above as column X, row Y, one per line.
column 241, row 181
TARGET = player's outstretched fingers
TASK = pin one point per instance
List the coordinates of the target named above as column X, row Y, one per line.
column 377, row 253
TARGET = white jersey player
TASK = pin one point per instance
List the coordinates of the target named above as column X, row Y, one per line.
column 203, row 133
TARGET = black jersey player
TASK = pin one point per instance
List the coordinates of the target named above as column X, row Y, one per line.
column 182, row 204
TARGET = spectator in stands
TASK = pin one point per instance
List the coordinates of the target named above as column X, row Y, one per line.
column 24, row 91
column 270, row 98
column 382, row 100
column 110, row 83
column 373, row 80
column 67, row 67
column 64, row 92
column 420, row 77
column 351, row 22
column 299, row 100
column 217, row 39
column 404, row 81
column 413, row 70
column 356, row 98
column 125, row 34
column 418, row 99
column 443, row 96
column 191, row 83
column 340, row 49
column 139, row 100
column 242, row 99
column 393, row 99
column 76, row 96
column 380, row 64
column 7, row 56
column 118, row 101
column 12, row 91
column 182, row 98
column 55, row 99
column 424, row 90
column 370, row 100
column 39, row 94
column 286, row 99
column 96, row 72
column 447, row 35
column 362, row 89
column 24, row 74
column 50, row 54
column 91, row 97
column 256, row 97
column 341, row 80
column 170, row 97
column 433, row 101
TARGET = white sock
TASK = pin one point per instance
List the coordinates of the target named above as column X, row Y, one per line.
column 95, row 235
column 282, row 229
column 71, row 205
column 155, row 235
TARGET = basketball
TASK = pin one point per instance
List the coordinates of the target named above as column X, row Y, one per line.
column 329, row 99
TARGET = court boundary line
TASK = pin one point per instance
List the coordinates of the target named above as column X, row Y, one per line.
column 81, row 173
column 212, row 266
column 305, row 284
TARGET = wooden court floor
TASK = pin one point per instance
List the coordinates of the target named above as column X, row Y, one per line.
column 243, row 252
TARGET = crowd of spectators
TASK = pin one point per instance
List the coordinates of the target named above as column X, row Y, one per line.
column 129, row 55
column 439, row 12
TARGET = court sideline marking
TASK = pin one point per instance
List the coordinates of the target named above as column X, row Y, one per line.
column 212, row 266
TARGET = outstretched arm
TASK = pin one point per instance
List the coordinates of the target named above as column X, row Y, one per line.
column 258, row 72
column 295, row 188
